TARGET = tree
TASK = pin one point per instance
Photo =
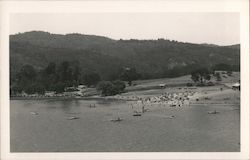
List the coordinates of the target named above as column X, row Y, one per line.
column 39, row 88
column 69, row 73
column 195, row 76
column 91, row 78
column 108, row 88
column 25, row 77
column 29, row 89
column 27, row 74
column 50, row 69
column 129, row 74
column 34, row 88
column 76, row 75
column 15, row 89
column 65, row 72
column 200, row 75
column 59, row 87
column 119, row 86
column 50, row 78
column 218, row 77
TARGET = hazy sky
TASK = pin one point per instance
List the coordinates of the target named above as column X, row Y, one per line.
column 216, row 28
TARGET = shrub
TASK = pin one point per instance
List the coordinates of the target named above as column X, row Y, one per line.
column 119, row 86
column 200, row 75
column 129, row 75
column 108, row 88
column 189, row 84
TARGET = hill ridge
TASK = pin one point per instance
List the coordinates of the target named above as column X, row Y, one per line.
column 152, row 58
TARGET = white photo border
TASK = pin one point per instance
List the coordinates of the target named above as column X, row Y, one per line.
column 102, row 6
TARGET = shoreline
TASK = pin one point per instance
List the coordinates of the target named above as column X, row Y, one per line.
column 126, row 96
column 67, row 98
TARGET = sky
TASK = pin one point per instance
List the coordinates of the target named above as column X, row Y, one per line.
column 222, row 28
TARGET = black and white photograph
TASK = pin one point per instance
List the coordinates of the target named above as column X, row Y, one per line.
column 112, row 82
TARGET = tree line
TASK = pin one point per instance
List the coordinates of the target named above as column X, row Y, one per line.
column 202, row 75
column 56, row 77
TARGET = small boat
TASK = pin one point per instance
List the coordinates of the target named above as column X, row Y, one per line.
column 170, row 117
column 116, row 120
column 137, row 114
column 34, row 113
column 72, row 118
column 213, row 112
column 173, row 105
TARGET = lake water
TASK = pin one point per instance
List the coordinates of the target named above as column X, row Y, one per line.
column 192, row 129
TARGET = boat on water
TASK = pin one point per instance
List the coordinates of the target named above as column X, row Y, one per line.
column 72, row 118
column 116, row 120
column 213, row 112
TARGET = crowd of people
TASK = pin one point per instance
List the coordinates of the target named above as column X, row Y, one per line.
column 167, row 99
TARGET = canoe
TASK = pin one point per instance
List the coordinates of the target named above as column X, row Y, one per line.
column 213, row 112
column 116, row 120
column 72, row 118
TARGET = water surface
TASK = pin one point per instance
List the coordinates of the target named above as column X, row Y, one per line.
column 192, row 129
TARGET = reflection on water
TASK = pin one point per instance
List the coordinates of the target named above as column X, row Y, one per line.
column 192, row 129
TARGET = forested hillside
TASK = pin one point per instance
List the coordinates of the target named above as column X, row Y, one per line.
column 105, row 56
